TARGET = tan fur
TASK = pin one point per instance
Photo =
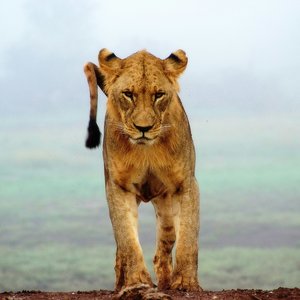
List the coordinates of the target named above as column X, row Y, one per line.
column 148, row 156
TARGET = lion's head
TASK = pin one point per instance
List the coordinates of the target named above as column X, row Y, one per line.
column 140, row 89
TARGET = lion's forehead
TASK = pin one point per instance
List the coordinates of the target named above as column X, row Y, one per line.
column 143, row 77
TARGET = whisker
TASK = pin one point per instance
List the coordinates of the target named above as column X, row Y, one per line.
column 165, row 128
column 118, row 125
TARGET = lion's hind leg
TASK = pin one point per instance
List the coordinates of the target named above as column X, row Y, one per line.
column 163, row 257
column 165, row 240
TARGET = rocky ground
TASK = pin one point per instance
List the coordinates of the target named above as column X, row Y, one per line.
column 280, row 293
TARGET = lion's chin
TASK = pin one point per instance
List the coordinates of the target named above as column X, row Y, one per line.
column 142, row 141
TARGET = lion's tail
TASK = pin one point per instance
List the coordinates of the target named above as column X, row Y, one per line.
column 94, row 134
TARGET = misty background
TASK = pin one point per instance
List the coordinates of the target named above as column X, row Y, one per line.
column 241, row 91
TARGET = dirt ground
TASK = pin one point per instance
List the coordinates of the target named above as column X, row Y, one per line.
column 280, row 293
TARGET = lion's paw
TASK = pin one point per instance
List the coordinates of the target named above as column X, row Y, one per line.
column 184, row 283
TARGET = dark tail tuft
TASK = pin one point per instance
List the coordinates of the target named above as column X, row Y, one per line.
column 94, row 135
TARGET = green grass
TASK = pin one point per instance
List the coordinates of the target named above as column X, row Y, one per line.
column 230, row 268
column 55, row 232
column 64, row 268
column 56, row 267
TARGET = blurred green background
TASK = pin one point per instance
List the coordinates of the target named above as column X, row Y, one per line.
column 55, row 228
column 241, row 92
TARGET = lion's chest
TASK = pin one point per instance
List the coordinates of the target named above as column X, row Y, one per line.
column 147, row 175
column 147, row 185
column 149, row 188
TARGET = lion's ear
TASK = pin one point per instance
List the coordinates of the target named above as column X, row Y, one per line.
column 176, row 63
column 109, row 63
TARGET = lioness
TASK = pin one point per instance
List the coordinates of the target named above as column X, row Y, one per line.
column 148, row 155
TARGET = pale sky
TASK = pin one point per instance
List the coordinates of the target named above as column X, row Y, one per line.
column 242, row 54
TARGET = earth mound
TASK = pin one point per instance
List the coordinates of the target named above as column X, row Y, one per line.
column 280, row 293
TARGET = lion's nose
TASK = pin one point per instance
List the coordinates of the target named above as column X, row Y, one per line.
column 143, row 129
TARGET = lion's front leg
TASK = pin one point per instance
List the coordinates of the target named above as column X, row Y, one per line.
column 130, row 266
column 185, row 274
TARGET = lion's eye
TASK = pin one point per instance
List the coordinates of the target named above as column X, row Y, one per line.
column 128, row 94
column 159, row 95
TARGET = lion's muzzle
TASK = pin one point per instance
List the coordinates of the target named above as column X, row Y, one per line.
column 143, row 129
